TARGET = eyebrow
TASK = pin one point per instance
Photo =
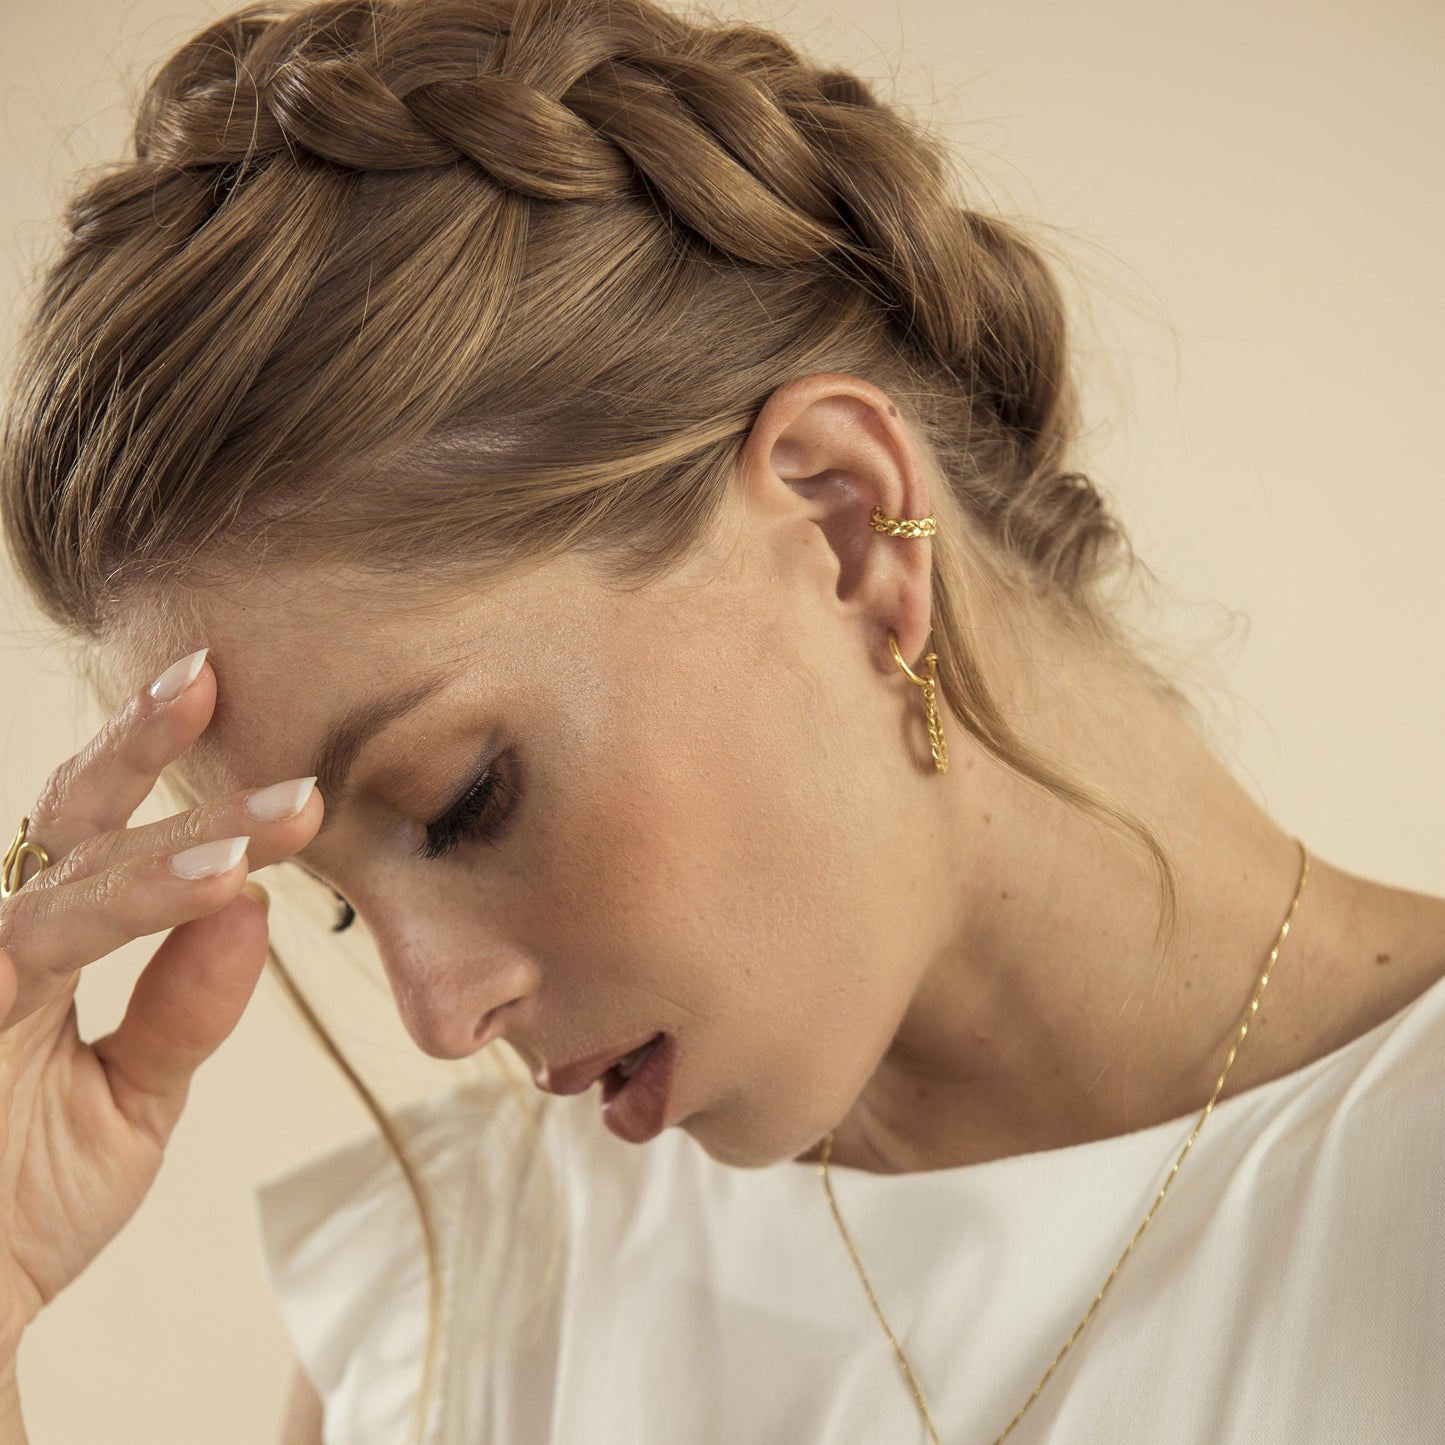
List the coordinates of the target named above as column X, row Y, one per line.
column 353, row 731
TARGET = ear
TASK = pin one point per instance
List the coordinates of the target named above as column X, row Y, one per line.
column 824, row 450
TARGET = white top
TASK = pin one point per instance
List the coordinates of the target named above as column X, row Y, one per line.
column 1290, row 1288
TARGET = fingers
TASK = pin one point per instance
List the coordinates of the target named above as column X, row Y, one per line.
column 67, row 918
column 186, row 1002
column 51, row 933
column 277, row 819
column 107, row 883
column 98, row 789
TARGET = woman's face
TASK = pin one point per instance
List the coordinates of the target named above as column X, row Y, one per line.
column 707, row 824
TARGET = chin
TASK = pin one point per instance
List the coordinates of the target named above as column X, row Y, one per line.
column 739, row 1148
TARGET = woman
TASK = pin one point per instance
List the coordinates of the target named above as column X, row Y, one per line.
column 602, row 437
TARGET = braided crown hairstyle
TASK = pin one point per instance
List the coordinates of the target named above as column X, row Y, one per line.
column 580, row 239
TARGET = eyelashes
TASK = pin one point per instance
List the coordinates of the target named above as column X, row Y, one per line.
column 481, row 814
column 347, row 914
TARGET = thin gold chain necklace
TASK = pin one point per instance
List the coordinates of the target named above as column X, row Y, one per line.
column 872, row 1299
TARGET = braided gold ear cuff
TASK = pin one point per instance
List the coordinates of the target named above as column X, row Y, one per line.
column 917, row 527
column 902, row 526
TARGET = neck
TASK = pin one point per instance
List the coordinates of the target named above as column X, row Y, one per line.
column 1047, row 1014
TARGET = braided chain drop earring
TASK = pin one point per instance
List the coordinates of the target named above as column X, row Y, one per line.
column 917, row 527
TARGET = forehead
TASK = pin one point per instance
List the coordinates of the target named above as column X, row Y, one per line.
column 293, row 651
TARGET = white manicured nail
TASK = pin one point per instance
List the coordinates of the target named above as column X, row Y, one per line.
column 205, row 860
column 178, row 677
column 280, row 800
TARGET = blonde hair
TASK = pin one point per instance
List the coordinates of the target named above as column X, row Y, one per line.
column 330, row 309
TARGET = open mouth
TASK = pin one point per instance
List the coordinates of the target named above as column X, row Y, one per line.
column 616, row 1078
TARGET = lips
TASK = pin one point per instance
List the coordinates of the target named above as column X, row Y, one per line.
column 575, row 1077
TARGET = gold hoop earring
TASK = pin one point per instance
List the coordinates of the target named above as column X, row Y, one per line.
column 929, row 685
column 917, row 527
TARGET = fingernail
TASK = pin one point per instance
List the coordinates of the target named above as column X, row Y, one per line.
column 207, row 859
column 280, row 800
column 178, row 677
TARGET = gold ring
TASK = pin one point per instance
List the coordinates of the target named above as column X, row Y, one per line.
column 15, row 854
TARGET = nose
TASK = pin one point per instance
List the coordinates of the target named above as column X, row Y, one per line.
column 455, row 1004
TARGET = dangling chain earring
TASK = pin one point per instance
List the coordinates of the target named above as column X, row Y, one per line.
column 917, row 527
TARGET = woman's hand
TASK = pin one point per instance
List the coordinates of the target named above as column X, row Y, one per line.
column 83, row 1126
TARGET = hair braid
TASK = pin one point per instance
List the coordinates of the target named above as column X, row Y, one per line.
column 720, row 144
column 766, row 159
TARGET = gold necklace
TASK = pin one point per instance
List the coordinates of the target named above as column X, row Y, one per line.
column 898, row 1349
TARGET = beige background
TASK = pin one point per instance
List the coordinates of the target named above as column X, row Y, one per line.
column 1251, row 195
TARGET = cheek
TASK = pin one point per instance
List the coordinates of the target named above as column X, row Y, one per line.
column 723, row 881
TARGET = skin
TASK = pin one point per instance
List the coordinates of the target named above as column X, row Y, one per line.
column 730, row 828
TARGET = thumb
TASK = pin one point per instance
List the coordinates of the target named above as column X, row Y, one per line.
column 185, row 1003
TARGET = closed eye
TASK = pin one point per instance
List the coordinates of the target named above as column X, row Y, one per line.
column 479, row 815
